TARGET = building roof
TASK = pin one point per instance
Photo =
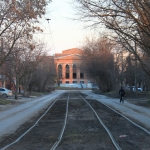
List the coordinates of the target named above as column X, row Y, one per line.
column 69, row 57
column 73, row 53
column 69, row 51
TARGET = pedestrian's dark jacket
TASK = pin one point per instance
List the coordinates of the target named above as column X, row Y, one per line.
column 122, row 92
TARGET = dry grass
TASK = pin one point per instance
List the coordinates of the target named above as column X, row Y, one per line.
column 5, row 102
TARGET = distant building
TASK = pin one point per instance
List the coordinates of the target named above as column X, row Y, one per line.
column 69, row 68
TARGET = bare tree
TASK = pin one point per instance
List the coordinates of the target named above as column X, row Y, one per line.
column 44, row 76
column 22, row 63
column 17, row 19
column 129, row 19
column 98, row 62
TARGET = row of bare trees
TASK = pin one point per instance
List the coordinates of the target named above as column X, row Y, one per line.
column 98, row 62
column 18, row 20
column 19, row 53
column 129, row 23
column 109, row 66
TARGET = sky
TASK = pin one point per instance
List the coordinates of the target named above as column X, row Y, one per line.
column 62, row 32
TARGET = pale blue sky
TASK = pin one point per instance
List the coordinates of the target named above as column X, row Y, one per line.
column 63, row 33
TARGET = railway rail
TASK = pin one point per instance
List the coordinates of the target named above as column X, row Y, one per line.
column 74, row 122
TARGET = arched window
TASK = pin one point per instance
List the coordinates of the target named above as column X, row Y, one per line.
column 67, row 71
column 60, row 71
column 74, row 75
column 81, row 72
column 74, row 68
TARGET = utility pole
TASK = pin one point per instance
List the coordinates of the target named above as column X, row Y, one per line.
column 122, row 68
column 50, row 33
column 135, row 70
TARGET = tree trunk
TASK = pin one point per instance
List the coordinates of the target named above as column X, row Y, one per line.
column 16, row 90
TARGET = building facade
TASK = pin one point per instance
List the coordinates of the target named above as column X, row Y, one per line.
column 69, row 67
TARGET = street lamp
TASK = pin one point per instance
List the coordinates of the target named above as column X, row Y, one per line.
column 135, row 68
column 50, row 32
column 48, row 19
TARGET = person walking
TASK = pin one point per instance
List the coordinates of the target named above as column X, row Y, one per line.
column 121, row 93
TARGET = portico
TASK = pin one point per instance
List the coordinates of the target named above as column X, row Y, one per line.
column 68, row 67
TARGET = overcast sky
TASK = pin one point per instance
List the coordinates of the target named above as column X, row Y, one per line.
column 62, row 33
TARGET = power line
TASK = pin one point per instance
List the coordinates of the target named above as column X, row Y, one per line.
column 51, row 33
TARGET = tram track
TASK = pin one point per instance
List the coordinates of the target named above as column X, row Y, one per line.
column 74, row 122
column 127, row 133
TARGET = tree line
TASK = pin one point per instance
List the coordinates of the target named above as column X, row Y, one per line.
column 127, row 23
column 20, row 55
column 121, row 57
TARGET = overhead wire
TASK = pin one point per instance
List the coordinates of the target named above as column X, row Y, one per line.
column 51, row 34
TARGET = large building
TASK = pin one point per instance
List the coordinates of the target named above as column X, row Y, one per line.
column 69, row 67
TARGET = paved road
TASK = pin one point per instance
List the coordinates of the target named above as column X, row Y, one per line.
column 14, row 117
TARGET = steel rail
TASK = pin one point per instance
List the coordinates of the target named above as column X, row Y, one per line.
column 63, row 128
column 107, row 130
column 65, row 121
column 142, row 128
column 18, row 139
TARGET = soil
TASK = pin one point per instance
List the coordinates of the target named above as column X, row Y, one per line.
column 83, row 131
